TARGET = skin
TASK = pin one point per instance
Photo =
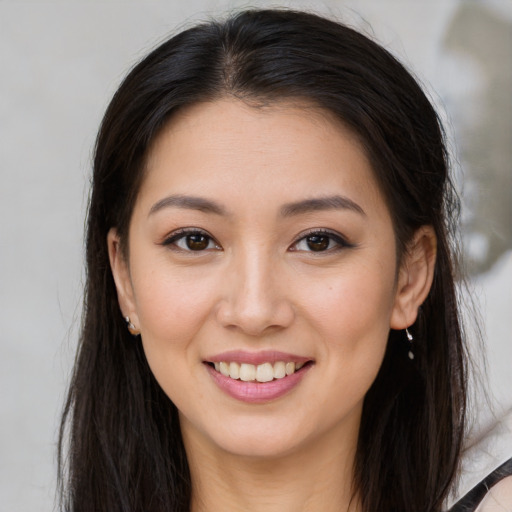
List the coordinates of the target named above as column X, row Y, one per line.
column 259, row 286
column 499, row 498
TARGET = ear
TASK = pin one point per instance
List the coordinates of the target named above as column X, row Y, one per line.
column 415, row 277
column 121, row 273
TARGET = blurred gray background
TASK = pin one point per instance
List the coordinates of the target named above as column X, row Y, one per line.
column 60, row 62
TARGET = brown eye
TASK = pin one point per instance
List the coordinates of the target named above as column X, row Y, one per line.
column 317, row 242
column 321, row 241
column 191, row 240
column 197, row 242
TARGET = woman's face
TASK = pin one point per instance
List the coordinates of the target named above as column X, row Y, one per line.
column 261, row 274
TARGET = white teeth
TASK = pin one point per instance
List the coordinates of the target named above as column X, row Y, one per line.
column 247, row 372
column 290, row 368
column 279, row 370
column 234, row 370
column 224, row 369
column 264, row 372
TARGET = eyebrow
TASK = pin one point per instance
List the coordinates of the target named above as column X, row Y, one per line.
column 288, row 210
column 319, row 204
column 188, row 202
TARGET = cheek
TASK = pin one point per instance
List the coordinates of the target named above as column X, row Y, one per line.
column 171, row 308
column 353, row 311
column 172, row 305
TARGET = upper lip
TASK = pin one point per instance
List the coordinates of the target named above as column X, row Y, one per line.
column 265, row 356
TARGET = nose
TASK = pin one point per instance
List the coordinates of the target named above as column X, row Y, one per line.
column 255, row 299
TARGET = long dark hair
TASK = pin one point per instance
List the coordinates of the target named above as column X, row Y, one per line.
column 120, row 445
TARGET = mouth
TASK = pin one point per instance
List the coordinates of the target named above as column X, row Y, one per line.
column 264, row 372
column 257, row 377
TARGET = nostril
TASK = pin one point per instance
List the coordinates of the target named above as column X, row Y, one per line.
column 254, row 312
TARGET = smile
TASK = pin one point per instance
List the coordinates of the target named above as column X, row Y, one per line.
column 265, row 372
column 257, row 377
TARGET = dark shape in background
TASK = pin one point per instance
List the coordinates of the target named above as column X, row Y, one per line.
column 485, row 143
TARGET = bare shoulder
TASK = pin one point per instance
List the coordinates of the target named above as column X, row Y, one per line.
column 499, row 497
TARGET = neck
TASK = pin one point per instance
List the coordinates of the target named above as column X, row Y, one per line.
column 319, row 476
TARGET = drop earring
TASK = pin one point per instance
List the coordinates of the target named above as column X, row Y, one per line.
column 411, row 339
column 131, row 328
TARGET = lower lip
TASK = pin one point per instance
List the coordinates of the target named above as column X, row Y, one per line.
column 258, row 392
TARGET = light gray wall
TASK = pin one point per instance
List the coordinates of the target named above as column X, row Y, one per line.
column 59, row 64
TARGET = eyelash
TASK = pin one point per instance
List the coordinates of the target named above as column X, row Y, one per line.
column 182, row 234
column 334, row 237
column 340, row 241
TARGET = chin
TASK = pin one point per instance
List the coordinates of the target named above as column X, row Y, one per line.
column 260, row 446
column 249, row 436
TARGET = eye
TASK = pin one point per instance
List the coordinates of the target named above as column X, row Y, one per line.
column 192, row 240
column 320, row 241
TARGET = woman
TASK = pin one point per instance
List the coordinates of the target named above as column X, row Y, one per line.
column 270, row 318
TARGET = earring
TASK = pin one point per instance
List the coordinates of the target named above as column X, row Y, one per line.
column 131, row 328
column 410, row 338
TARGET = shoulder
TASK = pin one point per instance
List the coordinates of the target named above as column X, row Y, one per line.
column 499, row 497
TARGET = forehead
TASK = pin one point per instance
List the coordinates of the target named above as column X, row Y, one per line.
column 279, row 151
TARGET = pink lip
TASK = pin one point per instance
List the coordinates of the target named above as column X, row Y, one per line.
column 257, row 392
column 266, row 356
